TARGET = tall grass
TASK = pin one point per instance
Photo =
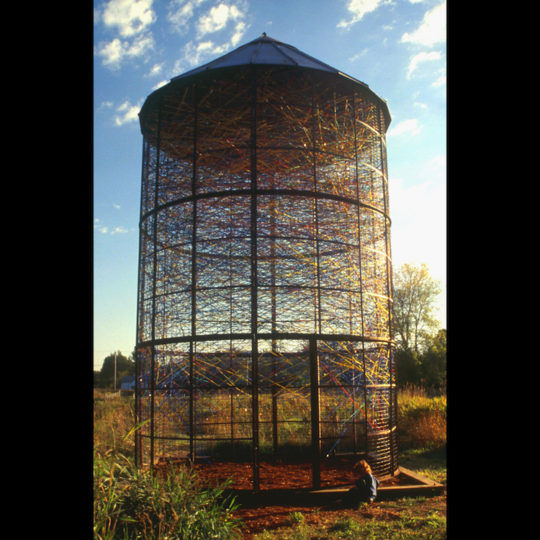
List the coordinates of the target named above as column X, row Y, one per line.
column 114, row 417
column 130, row 503
column 421, row 422
column 133, row 504
column 421, row 419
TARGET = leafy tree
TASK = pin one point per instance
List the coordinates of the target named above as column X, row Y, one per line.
column 124, row 366
column 414, row 294
column 408, row 367
column 433, row 361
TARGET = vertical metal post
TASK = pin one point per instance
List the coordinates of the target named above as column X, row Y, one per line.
column 364, row 385
column 154, row 287
column 193, row 281
column 253, row 281
column 384, row 175
column 140, row 310
column 137, row 412
column 315, row 414
column 231, row 367
column 191, row 405
column 313, row 358
column 392, row 390
column 316, row 190
column 393, row 412
column 274, row 319
column 351, row 330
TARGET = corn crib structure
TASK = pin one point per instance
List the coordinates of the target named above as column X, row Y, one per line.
column 264, row 289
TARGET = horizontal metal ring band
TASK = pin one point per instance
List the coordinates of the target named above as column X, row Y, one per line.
column 248, row 192
column 265, row 336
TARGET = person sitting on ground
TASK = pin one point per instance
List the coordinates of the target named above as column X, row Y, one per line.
column 366, row 484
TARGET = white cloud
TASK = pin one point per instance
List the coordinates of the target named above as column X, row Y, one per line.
column 112, row 53
column 103, row 229
column 239, row 31
column 405, row 126
column 156, row 69
column 126, row 112
column 180, row 12
column 418, row 231
column 119, row 230
column 178, row 67
column 223, row 16
column 116, row 51
column 105, row 105
column 421, row 57
column 432, row 29
column 129, row 17
column 359, row 8
column 160, row 84
column 140, row 46
column 217, row 18
column 194, row 53
column 363, row 52
column 99, row 227
column 441, row 80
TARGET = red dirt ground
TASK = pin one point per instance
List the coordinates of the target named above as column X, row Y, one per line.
column 336, row 472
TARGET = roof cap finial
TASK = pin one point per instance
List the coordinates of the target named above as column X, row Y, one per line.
column 264, row 34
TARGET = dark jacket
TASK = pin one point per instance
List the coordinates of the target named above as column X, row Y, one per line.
column 367, row 487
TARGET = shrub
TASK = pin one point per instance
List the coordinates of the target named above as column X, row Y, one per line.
column 131, row 503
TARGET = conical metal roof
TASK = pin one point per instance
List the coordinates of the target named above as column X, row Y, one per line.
column 264, row 50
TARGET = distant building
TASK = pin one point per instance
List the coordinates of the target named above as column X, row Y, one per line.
column 127, row 384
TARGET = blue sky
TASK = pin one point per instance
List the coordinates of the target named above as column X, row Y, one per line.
column 397, row 47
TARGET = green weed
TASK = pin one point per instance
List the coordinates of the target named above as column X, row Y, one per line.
column 296, row 517
column 133, row 504
column 346, row 527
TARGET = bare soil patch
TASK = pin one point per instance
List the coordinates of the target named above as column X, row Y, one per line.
column 335, row 472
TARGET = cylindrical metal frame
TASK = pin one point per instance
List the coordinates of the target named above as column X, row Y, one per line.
column 264, row 294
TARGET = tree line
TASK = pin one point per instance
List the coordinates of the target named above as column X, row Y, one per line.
column 114, row 368
column 421, row 344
